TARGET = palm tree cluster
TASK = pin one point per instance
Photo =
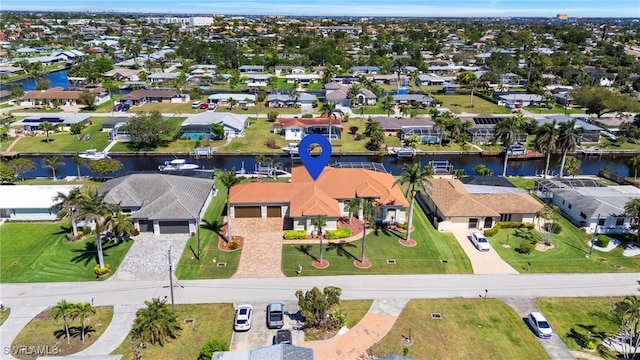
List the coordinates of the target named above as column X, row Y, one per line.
column 452, row 127
column 66, row 310
column 564, row 138
column 155, row 323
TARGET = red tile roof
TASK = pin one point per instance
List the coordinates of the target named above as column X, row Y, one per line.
column 304, row 123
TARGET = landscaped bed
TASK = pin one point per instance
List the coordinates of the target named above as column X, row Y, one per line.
column 466, row 329
column 40, row 252
column 47, row 334
column 354, row 311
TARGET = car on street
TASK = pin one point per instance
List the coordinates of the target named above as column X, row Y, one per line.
column 242, row 319
column 126, row 107
column 480, row 241
column 282, row 337
column 204, row 106
column 275, row 315
column 196, row 104
column 539, row 325
column 117, row 107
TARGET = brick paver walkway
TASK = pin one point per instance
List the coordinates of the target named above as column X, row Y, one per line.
column 262, row 250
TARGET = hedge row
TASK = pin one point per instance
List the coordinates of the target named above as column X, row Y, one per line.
column 295, row 234
column 337, row 234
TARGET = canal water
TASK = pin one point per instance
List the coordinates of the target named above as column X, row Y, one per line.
column 57, row 79
column 589, row 165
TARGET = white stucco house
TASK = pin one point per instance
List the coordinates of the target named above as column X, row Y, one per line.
column 31, row 202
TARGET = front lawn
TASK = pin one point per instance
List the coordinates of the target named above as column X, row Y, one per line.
column 571, row 317
column 65, row 142
column 256, row 135
column 48, row 334
column 4, row 314
column 40, row 252
column 469, row 329
column 425, row 258
column 556, row 109
column 460, row 103
column 210, row 321
column 354, row 311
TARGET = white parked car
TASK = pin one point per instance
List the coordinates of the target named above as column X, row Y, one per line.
column 242, row 320
column 539, row 325
column 480, row 241
column 196, row 104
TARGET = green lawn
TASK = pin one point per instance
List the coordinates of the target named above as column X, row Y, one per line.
column 460, row 103
column 4, row 314
column 255, row 138
column 40, row 252
column 572, row 317
column 469, row 329
column 556, row 109
column 65, row 142
column 44, row 331
column 522, row 182
column 189, row 267
column 354, row 311
column 425, row 258
column 211, row 321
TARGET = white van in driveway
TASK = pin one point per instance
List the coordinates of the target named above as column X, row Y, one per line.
column 196, row 104
column 480, row 241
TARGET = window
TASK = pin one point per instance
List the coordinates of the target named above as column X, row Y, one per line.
column 569, row 206
column 620, row 221
column 505, row 217
column 601, row 222
column 583, row 215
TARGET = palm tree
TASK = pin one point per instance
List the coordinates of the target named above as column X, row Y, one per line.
column 79, row 162
column 387, row 105
column 353, row 206
column 482, row 170
column 470, row 79
column 329, row 109
column 120, row 224
column 414, row 177
column 634, row 163
column 92, row 207
column 319, row 222
column 64, row 310
column 155, row 323
column 232, row 102
column 568, row 140
column 328, row 74
column 46, row 127
column 632, row 210
column 404, row 110
column 627, row 315
column 68, row 202
column 368, row 217
column 507, row 131
column 546, row 140
column 53, row 162
column 228, row 179
column 82, row 311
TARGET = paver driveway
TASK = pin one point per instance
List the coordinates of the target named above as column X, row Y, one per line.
column 482, row 262
column 262, row 250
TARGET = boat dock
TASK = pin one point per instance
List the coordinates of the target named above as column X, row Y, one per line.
column 9, row 154
column 529, row 155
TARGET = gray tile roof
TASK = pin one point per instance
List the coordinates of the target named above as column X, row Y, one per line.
column 606, row 201
column 159, row 196
column 282, row 351
column 230, row 120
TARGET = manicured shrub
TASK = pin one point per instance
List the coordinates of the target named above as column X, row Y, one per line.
column 603, row 240
column 525, row 248
column 403, row 226
column 337, row 234
column 87, row 230
column 553, row 227
column 295, row 234
column 101, row 271
column 307, row 116
column 234, row 245
column 514, row 225
column 135, row 232
column 493, row 231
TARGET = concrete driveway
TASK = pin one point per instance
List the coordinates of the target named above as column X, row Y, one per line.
column 483, row 262
column 259, row 335
column 262, row 250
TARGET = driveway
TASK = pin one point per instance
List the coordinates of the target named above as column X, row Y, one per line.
column 259, row 335
column 148, row 257
column 483, row 262
column 262, row 250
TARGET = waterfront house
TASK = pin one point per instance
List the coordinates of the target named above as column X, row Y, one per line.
column 61, row 96
column 589, row 132
column 482, row 128
column 139, row 97
column 161, row 203
column 124, row 74
column 455, row 205
column 303, row 199
column 297, row 128
column 392, row 126
column 62, row 121
column 199, row 125
column 31, row 202
column 596, row 209
column 162, row 77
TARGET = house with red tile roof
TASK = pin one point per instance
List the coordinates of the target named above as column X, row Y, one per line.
column 297, row 128
column 303, row 199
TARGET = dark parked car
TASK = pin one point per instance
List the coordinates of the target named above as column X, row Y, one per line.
column 117, row 107
column 275, row 315
column 282, row 337
column 126, row 107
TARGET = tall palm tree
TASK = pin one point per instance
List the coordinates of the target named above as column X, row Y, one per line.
column 68, row 202
column 546, row 140
column 404, row 109
column 82, row 311
column 47, row 127
column 627, row 314
column 507, row 131
column 228, row 179
column 632, row 210
column 634, row 163
column 64, row 310
column 155, row 323
column 330, row 109
column 120, row 224
column 319, row 223
column 568, row 140
column 387, row 105
column 92, row 207
column 53, row 162
column 368, row 217
column 79, row 162
column 414, row 177
column 353, row 206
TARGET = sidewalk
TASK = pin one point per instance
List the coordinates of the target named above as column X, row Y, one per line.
column 18, row 319
column 116, row 333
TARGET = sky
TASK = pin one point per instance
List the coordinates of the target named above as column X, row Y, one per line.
column 360, row 8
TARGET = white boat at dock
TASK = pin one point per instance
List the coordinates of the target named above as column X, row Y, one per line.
column 402, row 152
column 291, row 149
column 177, row 165
column 93, row 154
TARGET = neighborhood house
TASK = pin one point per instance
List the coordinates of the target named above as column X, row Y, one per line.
column 296, row 128
column 31, row 202
column 198, row 126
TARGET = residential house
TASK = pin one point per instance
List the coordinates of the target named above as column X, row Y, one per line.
column 286, row 100
column 244, row 69
column 426, row 134
column 270, row 352
column 199, row 125
column 510, row 79
column 453, row 205
column 589, row 133
column 303, row 199
column 302, row 78
column 392, row 126
column 61, row 120
column 412, row 99
column 242, row 100
column 428, row 80
column 161, row 203
column 297, row 128
column 116, row 127
column 450, row 89
column 281, row 70
column 31, row 202
column 336, row 92
column 60, row 96
column 124, row 74
column 257, row 80
column 596, row 209
column 5, row 95
column 482, row 128
column 517, row 100
column 562, row 96
column 162, row 77
column 357, row 70
column 139, row 97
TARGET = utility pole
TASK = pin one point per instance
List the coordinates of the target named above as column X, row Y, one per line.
column 171, row 277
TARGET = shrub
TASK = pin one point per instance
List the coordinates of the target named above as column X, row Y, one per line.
column 86, row 230
column 603, row 240
column 211, row 346
column 80, row 233
column 307, row 116
column 337, row 234
column 403, row 226
column 525, row 248
column 353, row 130
column 295, row 234
column 515, row 225
column 135, row 232
column 493, row 231
column 233, row 245
column 553, row 227
column 101, row 271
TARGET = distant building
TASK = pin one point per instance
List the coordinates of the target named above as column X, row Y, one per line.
column 562, row 17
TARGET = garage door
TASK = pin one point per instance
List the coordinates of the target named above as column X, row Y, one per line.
column 248, row 211
column 274, row 211
column 174, row 227
column 145, row 225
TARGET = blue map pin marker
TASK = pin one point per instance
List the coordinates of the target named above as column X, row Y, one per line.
column 314, row 164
